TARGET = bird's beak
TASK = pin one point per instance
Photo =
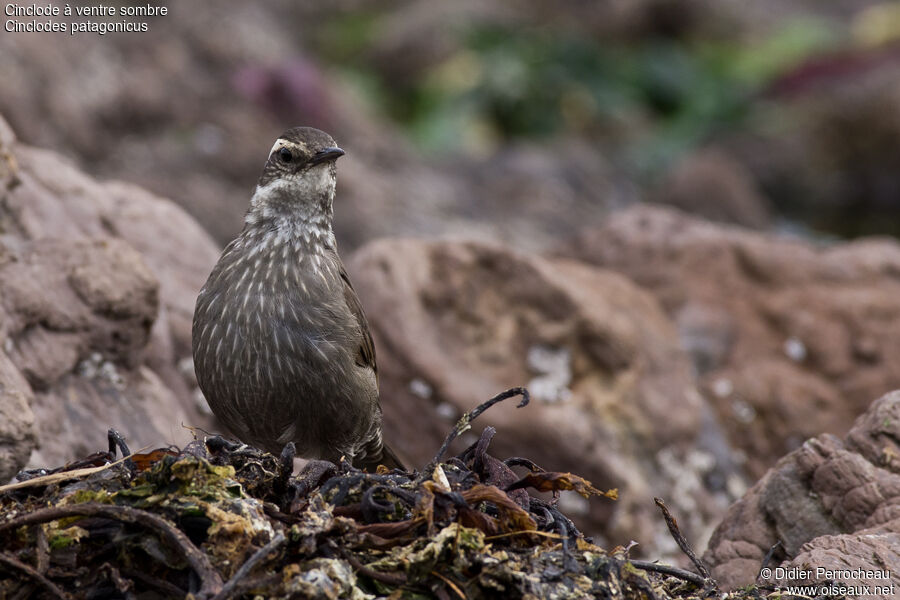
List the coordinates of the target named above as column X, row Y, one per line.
column 326, row 155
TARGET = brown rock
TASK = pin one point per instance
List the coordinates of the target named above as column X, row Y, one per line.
column 710, row 184
column 790, row 339
column 833, row 504
column 84, row 347
column 456, row 323
column 17, row 434
column 180, row 253
column 63, row 298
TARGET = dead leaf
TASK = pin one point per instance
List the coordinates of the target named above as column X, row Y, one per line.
column 551, row 482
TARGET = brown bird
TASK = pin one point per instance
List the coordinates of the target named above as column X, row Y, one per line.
column 281, row 346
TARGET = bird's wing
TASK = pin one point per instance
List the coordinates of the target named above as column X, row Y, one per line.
column 365, row 356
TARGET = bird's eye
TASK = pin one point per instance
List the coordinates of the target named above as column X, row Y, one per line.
column 285, row 155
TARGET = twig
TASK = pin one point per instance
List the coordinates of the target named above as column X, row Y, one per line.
column 210, row 581
column 57, row 477
column 555, row 516
column 569, row 562
column 216, row 442
column 170, row 589
column 465, row 421
column 645, row 565
column 682, row 541
column 281, row 485
column 452, row 585
column 124, row 586
column 362, row 569
column 42, row 551
column 481, row 447
column 537, row 532
column 768, row 558
column 194, row 429
column 249, row 564
column 518, row 461
column 286, row 463
column 273, row 513
column 117, row 440
column 258, row 582
column 12, row 563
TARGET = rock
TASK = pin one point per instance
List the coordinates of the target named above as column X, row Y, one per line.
column 532, row 195
column 17, row 433
column 181, row 265
column 457, row 322
column 188, row 112
column 710, row 184
column 789, row 339
column 65, row 298
column 97, row 286
column 833, row 504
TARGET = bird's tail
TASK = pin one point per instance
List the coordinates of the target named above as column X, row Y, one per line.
column 385, row 456
column 390, row 460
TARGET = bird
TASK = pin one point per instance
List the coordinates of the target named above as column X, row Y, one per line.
column 282, row 349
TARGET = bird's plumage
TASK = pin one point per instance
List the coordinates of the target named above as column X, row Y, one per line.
column 282, row 349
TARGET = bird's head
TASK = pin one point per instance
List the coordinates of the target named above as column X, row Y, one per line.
column 298, row 180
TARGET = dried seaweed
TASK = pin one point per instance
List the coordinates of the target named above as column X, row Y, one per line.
column 219, row 519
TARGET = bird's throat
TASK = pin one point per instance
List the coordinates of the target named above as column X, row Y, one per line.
column 291, row 211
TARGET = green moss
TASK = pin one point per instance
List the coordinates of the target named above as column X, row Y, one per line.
column 90, row 495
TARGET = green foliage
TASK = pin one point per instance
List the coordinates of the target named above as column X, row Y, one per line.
column 654, row 97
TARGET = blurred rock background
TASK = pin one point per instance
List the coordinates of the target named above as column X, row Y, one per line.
column 676, row 351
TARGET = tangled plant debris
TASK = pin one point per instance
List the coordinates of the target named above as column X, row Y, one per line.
column 218, row 519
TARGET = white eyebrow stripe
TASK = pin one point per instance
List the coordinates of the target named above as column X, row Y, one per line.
column 278, row 143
